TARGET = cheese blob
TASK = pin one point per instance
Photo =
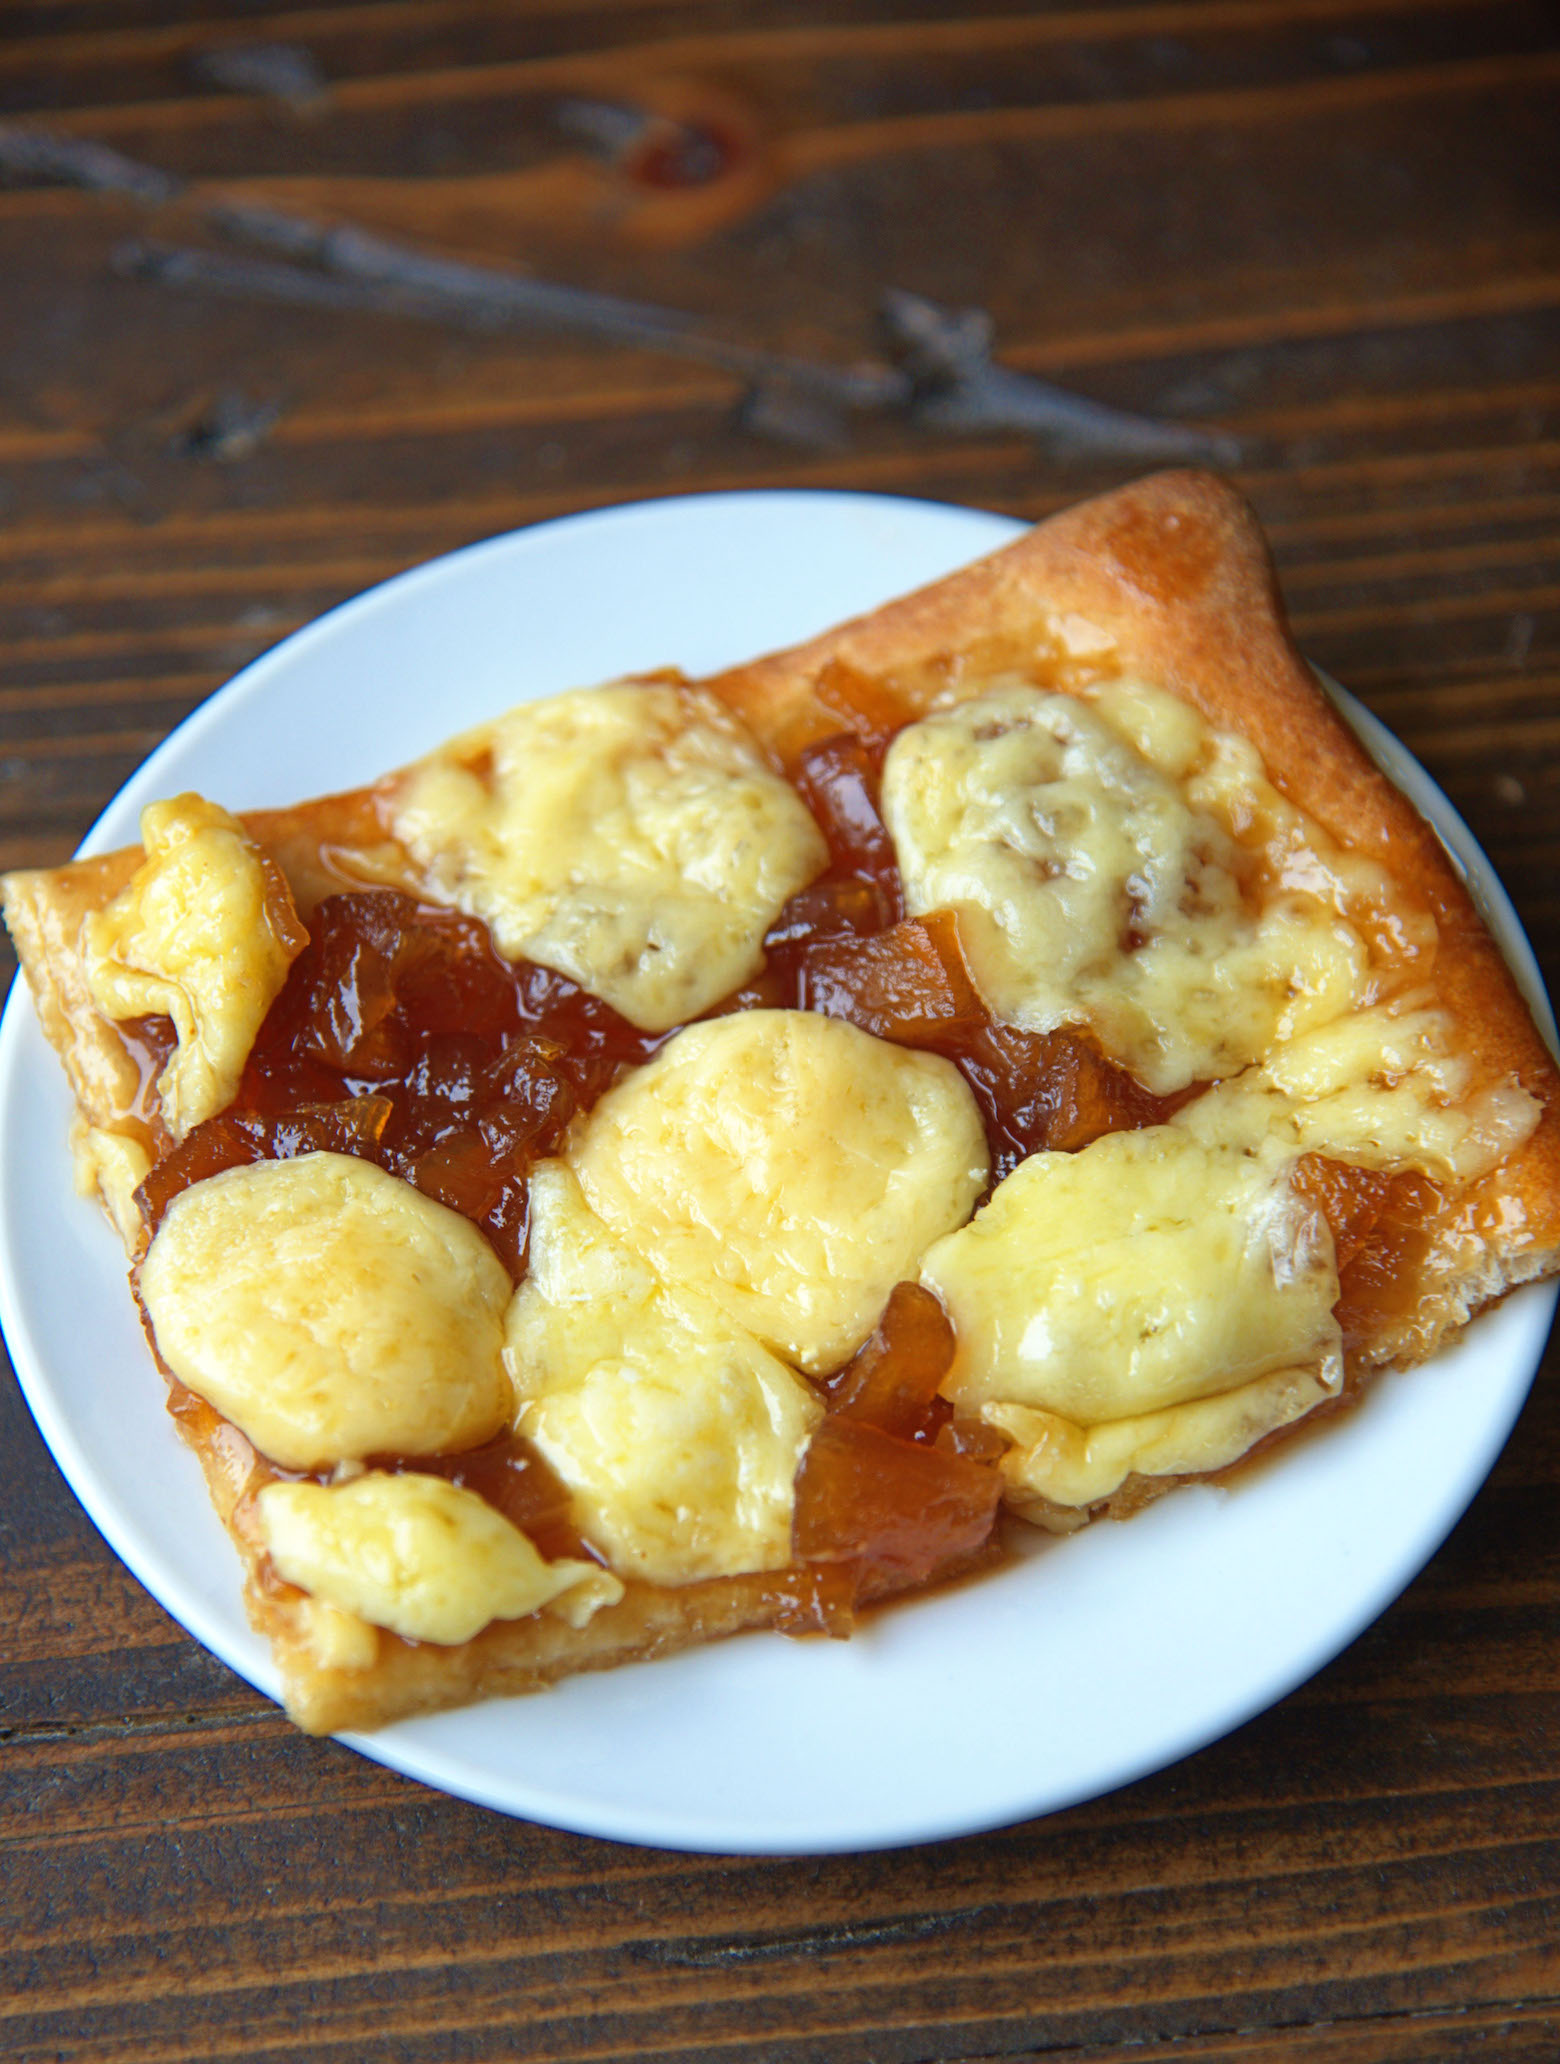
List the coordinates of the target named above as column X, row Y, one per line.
column 1146, row 1272
column 331, row 1311
column 1379, row 1089
column 1093, row 890
column 677, row 1434
column 203, row 933
column 1058, row 1467
column 631, row 836
column 426, row 1559
column 788, row 1167
column 111, row 1165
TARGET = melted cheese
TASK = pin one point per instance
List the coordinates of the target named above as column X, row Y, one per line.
column 422, row 1557
column 1223, row 775
column 629, row 836
column 1380, row 1089
column 1147, row 1271
column 1056, row 1467
column 112, row 1165
column 788, row 1167
column 676, row 1432
column 199, row 935
column 336, row 1639
column 330, row 1311
column 1096, row 887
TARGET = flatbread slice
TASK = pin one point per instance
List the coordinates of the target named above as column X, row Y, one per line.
column 1013, row 1051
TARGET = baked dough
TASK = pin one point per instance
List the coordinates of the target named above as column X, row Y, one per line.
column 1245, row 929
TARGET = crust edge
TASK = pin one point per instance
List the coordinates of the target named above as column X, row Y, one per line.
column 1171, row 577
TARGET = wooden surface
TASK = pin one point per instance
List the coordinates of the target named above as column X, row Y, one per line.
column 1331, row 229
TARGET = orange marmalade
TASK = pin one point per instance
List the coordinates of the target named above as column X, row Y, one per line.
column 404, row 1037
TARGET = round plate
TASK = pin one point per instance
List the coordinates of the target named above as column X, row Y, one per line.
column 1085, row 1663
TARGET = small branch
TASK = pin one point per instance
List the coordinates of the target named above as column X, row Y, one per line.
column 369, row 273
column 37, row 154
column 278, row 71
column 493, row 299
column 262, row 279
column 958, row 386
column 482, row 293
column 942, row 374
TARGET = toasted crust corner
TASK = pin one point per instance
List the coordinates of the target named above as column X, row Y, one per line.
column 1169, row 579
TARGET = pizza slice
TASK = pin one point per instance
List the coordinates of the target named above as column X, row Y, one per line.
column 689, row 1156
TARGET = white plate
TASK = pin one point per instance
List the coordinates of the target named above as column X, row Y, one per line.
column 1086, row 1664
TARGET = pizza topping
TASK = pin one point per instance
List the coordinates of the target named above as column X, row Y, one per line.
column 889, row 1507
column 1223, row 774
column 335, row 1639
column 330, row 1311
column 1380, row 1088
column 385, row 979
column 1144, row 1272
column 112, row 1165
column 631, row 837
column 404, row 1037
column 1093, row 890
column 203, row 935
column 909, row 984
column 1389, row 1228
column 1058, row 1467
column 838, row 779
column 676, row 1431
column 894, row 1379
column 1052, row 1090
column 885, row 1488
column 419, row 1556
column 787, row 1167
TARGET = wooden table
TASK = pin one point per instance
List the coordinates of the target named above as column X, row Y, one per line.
column 1328, row 228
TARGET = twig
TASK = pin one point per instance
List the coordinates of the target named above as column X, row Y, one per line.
column 372, row 274
column 490, row 298
column 265, row 279
column 278, row 71
column 942, row 375
column 231, row 427
column 958, row 386
column 39, row 154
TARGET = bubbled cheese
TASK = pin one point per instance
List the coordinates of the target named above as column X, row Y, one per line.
column 331, row 1311
column 677, row 1433
column 629, row 836
column 201, row 934
column 1222, row 775
column 422, row 1557
column 111, row 1165
column 789, row 1168
column 1379, row 1089
column 1147, row 1271
column 1056, row 1466
column 1092, row 888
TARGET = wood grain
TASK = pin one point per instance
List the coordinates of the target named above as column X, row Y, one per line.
column 1326, row 227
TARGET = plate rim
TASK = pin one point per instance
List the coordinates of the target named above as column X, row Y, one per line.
column 399, row 1747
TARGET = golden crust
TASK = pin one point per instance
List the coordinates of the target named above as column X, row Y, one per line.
column 509, row 1656
column 44, row 912
column 1169, row 580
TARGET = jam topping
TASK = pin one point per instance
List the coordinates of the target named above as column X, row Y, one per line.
column 884, row 1497
column 403, row 1036
column 1381, row 1226
column 508, row 1472
column 517, row 1481
column 893, row 1381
